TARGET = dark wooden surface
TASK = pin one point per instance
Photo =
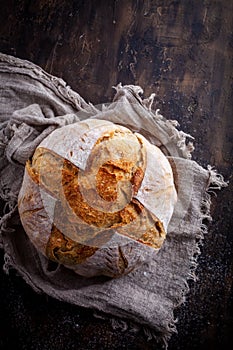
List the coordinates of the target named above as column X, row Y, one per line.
column 182, row 51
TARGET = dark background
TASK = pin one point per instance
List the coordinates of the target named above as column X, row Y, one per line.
column 182, row 51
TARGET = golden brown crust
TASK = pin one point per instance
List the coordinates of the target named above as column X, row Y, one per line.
column 60, row 178
column 65, row 251
column 108, row 176
column 32, row 173
column 89, row 214
column 106, row 183
column 155, row 236
column 137, row 179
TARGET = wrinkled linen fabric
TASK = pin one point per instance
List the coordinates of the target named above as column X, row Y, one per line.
column 32, row 105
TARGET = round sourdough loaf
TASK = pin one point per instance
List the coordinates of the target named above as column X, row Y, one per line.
column 97, row 198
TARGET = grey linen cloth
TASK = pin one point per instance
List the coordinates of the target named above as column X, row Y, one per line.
column 33, row 104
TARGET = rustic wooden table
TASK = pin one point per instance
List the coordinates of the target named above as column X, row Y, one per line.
column 182, row 51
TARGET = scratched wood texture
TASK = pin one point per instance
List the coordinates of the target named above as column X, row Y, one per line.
column 182, row 51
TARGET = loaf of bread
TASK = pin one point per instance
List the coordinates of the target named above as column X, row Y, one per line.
column 97, row 198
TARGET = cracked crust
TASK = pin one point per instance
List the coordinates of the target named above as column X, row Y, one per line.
column 64, row 250
column 91, row 203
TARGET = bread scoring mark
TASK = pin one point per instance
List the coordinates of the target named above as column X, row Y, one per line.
column 106, row 136
column 59, row 177
column 117, row 263
column 65, row 251
column 108, row 176
column 155, row 236
column 45, row 170
column 123, row 262
column 91, row 215
column 137, row 179
column 115, row 168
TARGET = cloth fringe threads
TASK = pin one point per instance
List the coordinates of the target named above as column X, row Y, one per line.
column 216, row 182
column 18, row 126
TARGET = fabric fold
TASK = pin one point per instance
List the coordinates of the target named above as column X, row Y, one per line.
column 32, row 105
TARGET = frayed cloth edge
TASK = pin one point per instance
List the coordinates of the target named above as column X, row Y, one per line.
column 179, row 137
column 61, row 87
column 215, row 182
